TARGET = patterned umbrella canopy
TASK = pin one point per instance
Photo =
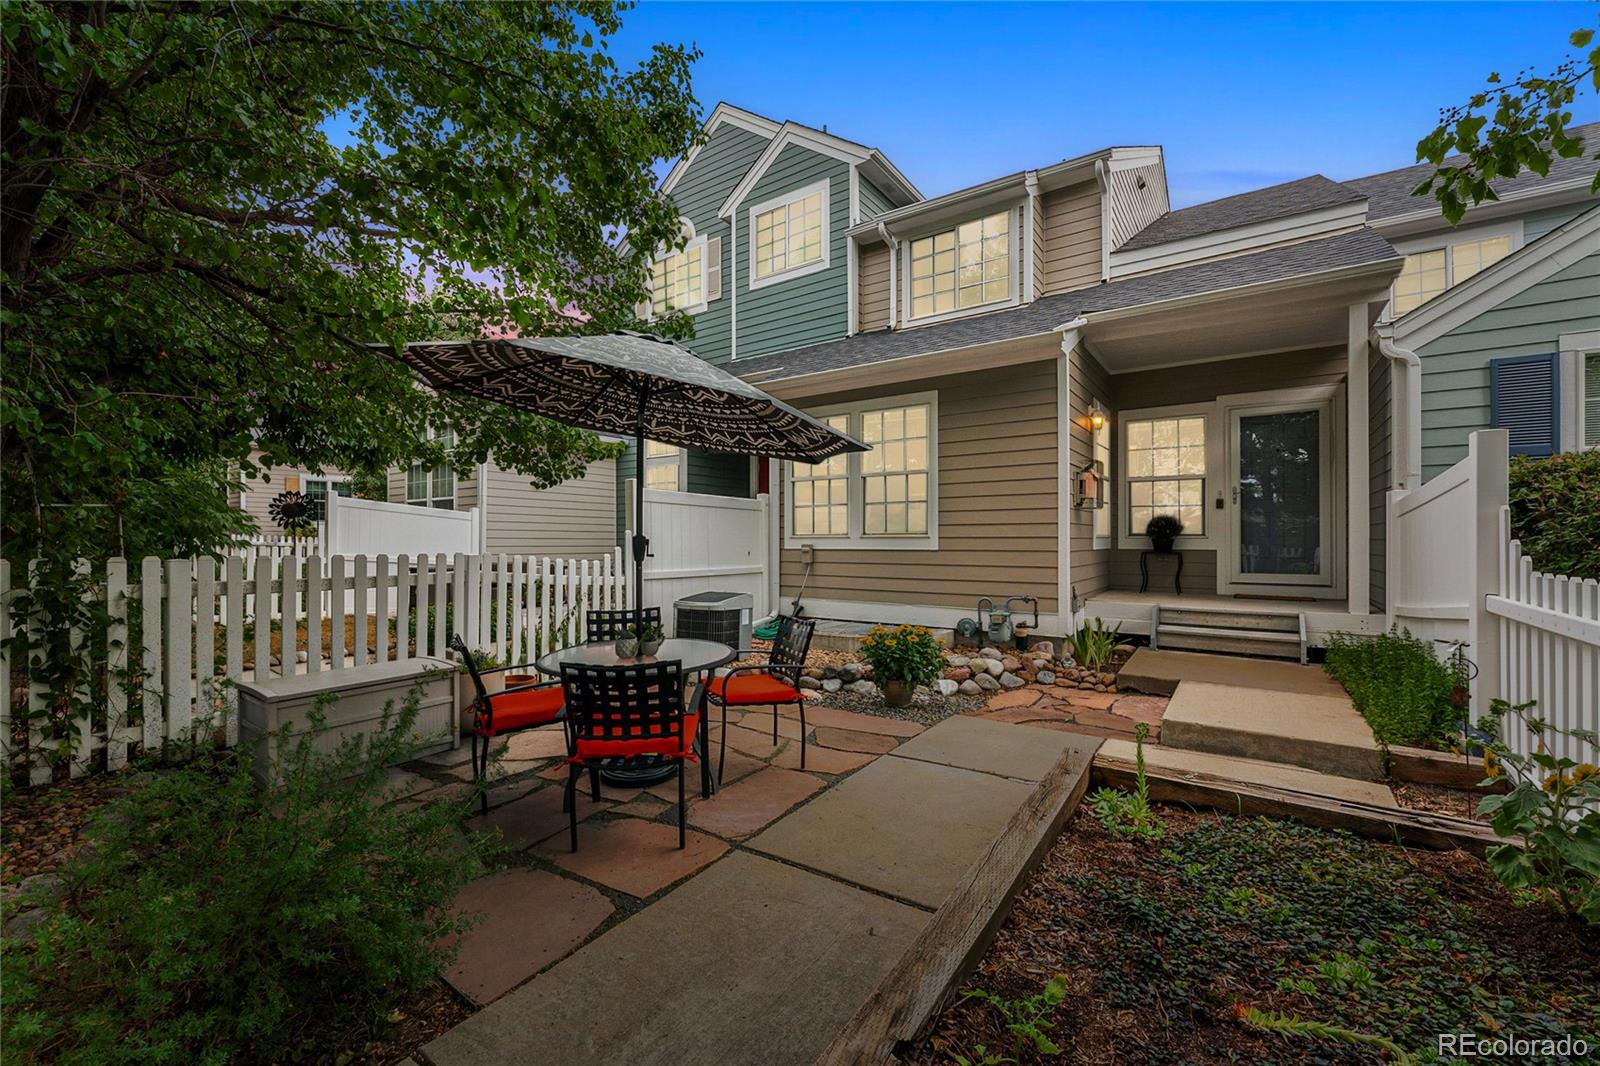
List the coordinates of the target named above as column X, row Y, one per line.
column 632, row 384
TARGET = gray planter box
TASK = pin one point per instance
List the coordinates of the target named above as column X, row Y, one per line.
column 362, row 691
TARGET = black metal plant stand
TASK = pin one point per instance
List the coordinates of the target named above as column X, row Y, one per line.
column 1144, row 568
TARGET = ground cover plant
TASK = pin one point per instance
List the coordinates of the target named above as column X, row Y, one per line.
column 1399, row 686
column 1255, row 940
column 209, row 920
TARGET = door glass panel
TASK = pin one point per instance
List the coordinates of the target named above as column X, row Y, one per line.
column 1280, row 493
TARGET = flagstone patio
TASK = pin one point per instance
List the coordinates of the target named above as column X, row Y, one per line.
column 1101, row 714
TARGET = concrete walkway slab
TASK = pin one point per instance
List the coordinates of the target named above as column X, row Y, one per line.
column 993, row 747
column 528, row 919
column 1177, row 762
column 1159, row 672
column 1319, row 732
column 633, row 856
column 851, row 740
column 691, row 980
column 903, row 827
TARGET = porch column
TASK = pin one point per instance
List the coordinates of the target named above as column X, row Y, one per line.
column 1358, row 463
column 1069, row 341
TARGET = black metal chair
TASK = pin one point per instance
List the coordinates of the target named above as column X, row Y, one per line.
column 604, row 626
column 617, row 713
column 495, row 714
column 776, row 681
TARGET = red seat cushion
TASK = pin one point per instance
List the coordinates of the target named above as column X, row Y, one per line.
column 529, row 707
column 753, row 688
column 663, row 746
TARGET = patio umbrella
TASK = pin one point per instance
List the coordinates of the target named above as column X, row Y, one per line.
column 635, row 385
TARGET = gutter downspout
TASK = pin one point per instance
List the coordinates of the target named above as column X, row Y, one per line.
column 1407, row 404
column 894, row 310
column 1102, row 178
column 1030, row 181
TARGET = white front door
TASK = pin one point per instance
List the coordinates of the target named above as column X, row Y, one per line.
column 1280, row 496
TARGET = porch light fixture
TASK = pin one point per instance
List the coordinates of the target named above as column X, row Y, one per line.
column 1096, row 416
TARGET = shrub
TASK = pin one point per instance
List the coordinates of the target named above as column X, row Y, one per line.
column 1555, row 512
column 1553, row 810
column 1093, row 643
column 210, row 920
column 909, row 654
column 1398, row 684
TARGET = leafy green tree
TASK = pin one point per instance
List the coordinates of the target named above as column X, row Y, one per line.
column 213, row 211
column 1508, row 127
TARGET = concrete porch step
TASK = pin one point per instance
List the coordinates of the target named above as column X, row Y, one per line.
column 1324, row 733
column 1165, row 761
column 1273, row 644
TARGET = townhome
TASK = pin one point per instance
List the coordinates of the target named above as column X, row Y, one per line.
column 1046, row 361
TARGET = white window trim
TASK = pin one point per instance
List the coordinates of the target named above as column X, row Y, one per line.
column 1436, row 242
column 682, row 459
column 1215, row 462
column 857, row 540
column 1575, row 349
column 1014, row 247
column 697, row 242
column 785, row 200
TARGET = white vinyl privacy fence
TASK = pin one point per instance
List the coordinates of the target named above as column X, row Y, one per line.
column 1456, row 574
column 175, row 632
column 701, row 543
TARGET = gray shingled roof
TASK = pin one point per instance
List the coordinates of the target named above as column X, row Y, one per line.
column 1260, row 205
column 1275, row 264
column 1389, row 194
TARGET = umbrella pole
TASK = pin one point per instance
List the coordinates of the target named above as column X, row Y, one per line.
column 640, row 543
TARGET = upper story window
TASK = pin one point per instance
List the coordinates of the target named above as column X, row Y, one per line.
column 789, row 235
column 1428, row 273
column 436, row 487
column 965, row 267
column 678, row 280
column 665, row 466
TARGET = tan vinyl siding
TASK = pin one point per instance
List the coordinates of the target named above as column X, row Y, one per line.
column 1091, row 568
column 872, row 288
column 1133, row 208
column 997, row 502
column 573, row 519
column 1071, row 238
column 255, row 495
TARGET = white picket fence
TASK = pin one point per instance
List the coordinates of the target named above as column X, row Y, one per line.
column 1549, row 633
column 1456, row 575
column 179, row 631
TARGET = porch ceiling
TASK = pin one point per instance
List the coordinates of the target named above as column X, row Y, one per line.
column 1227, row 326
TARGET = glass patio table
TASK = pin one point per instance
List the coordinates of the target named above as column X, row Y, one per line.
column 699, row 657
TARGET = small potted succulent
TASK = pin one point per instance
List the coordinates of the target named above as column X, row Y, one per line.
column 628, row 642
column 902, row 658
column 650, row 638
column 1163, row 530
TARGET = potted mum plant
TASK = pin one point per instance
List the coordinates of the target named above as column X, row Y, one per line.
column 902, row 658
column 1163, row 530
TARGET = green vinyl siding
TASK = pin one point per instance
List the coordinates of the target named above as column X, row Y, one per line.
column 872, row 202
column 1380, row 451
column 1455, row 367
column 1539, row 223
column 806, row 309
column 721, row 164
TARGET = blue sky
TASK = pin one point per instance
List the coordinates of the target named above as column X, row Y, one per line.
column 1240, row 95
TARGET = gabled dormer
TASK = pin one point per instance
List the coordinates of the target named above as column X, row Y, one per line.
column 764, row 262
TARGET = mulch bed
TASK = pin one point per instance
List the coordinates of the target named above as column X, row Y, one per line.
column 434, row 1010
column 1438, row 799
column 41, row 827
column 1165, row 943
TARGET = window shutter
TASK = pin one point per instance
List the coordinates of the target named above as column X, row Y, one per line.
column 1591, row 401
column 1524, row 399
column 713, row 269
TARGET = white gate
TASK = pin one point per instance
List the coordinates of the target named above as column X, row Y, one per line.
column 701, row 543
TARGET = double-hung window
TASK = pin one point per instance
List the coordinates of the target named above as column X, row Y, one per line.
column 435, row 487
column 1428, row 273
column 664, row 466
column 318, row 489
column 678, row 280
column 789, row 235
column 1165, row 459
column 969, row 266
column 885, row 497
